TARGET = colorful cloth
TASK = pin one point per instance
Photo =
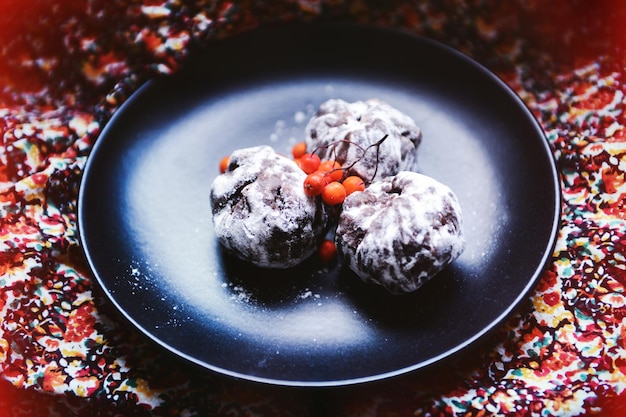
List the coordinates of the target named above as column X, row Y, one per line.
column 67, row 67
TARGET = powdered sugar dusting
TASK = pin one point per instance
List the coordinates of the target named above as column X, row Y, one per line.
column 361, row 124
column 260, row 210
column 401, row 231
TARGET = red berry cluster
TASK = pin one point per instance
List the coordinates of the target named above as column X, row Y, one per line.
column 326, row 178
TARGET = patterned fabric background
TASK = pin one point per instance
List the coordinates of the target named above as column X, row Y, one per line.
column 67, row 66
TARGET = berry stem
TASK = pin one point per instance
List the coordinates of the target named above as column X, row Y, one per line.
column 363, row 150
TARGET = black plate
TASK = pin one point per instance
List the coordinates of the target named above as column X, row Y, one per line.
column 145, row 219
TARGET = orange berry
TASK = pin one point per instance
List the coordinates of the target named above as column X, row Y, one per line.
column 298, row 150
column 314, row 184
column 327, row 251
column 334, row 193
column 224, row 164
column 332, row 168
column 353, row 183
column 309, row 163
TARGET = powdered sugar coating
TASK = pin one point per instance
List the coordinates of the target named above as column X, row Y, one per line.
column 400, row 231
column 359, row 125
column 260, row 211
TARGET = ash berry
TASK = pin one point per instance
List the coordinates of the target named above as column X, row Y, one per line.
column 309, row 162
column 332, row 169
column 314, row 184
column 353, row 183
column 298, row 150
column 333, row 193
column 327, row 251
column 224, row 164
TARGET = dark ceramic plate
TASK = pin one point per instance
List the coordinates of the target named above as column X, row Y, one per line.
column 145, row 219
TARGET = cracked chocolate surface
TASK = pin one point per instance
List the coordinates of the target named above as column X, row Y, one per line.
column 378, row 139
column 400, row 231
column 260, row 211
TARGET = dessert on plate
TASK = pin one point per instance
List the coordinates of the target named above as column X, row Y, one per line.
column 400, row 231
column 261, row 213
column 371, row 137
